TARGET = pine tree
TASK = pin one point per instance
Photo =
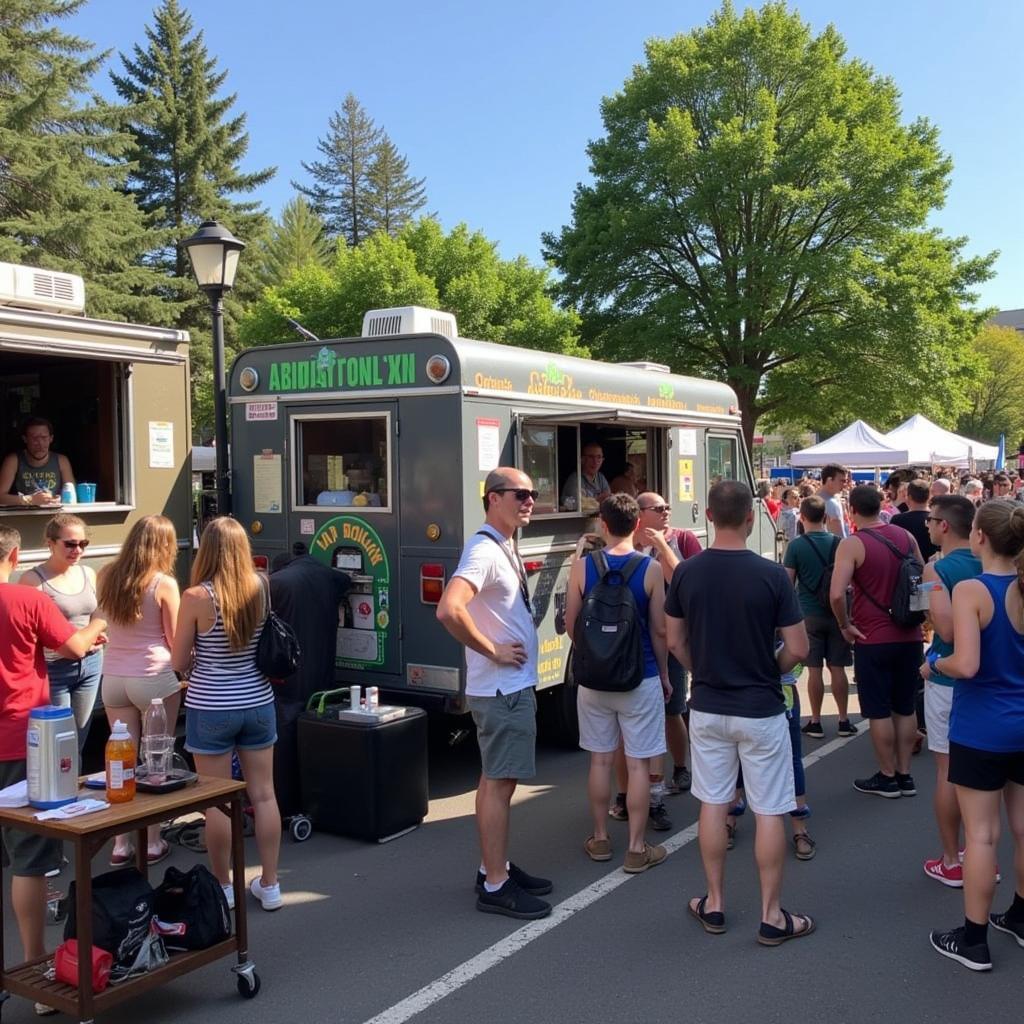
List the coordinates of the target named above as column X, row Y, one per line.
column 395, row 197
column 297, row 239
column 62, row 169
column 340, row 192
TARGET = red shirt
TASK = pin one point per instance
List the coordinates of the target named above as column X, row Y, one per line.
column 773, row 507
column 29, row 621
column 877, row 575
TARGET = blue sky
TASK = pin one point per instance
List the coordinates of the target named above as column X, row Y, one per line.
column 494, row 103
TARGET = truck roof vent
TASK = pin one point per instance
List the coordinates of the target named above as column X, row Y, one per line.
column 34, row 288
column 643, row 364
column 380, row 323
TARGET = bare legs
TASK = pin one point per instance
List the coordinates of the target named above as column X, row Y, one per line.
column 980, row 811
column 947, row 811
column 840, row 686
column 893, row 739
column 493, row 800
column 28, row 898
column 599, row 791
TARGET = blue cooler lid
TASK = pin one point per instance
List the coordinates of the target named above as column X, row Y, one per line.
column 51, row 711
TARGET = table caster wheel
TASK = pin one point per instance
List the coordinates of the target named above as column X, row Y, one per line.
column 248, row 985
column 301, row 828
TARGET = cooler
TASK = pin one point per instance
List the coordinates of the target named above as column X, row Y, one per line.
column 367, row 780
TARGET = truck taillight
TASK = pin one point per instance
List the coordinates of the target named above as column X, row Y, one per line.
column 260, row 563
column 431, row 583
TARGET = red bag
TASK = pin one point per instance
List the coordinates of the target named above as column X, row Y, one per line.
column 65, row 962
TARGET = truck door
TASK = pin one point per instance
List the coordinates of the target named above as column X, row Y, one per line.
column 344, row 507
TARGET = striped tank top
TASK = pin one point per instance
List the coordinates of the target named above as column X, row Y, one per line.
column 223, row 679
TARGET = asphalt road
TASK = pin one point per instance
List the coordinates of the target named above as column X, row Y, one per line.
column 389, row 933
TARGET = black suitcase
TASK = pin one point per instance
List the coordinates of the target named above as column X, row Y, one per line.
column 366, row 780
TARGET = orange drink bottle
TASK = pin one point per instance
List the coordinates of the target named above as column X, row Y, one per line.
column 120, row 761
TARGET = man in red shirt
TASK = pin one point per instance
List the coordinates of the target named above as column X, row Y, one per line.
column 29, row 621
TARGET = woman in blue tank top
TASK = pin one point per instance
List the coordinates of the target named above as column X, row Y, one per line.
column 986, row 730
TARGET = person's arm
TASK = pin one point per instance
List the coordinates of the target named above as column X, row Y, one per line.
column 169, row 600
column 191, row 606
column 971, row 604
column 654, row 584
column 666, row 557
column 791, row 573
column 795, row 646
column 835, row 523
column 453, row 614
column 842, row 577
column 574, row 594
column 940, row 607
column 65, row 469
column 80, row 643
column 678, row 638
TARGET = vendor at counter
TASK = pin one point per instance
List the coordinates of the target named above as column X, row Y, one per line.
column 35, row 475
column 592, row 482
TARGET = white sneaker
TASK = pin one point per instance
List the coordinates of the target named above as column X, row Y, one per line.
column 229, row 893
column 268, row 895
column 42, row 1010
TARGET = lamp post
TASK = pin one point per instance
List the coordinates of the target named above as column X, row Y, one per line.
column 213, row 252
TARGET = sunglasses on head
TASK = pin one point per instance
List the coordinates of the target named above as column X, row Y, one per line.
column 521, row 493
column 72, row 544
column 657, row 508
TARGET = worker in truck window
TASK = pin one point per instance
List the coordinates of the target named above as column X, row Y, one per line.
column 590, row 481
column 34, row 475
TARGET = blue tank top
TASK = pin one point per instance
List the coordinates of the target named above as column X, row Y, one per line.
column 636, row 584
column 988, row 710
column 954, row 568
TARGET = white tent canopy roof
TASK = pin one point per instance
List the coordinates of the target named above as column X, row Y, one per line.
column 856, row 445
column 927, row 442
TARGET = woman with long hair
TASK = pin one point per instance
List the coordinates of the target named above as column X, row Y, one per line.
column 229, row 706
column 139, row 597
column 72, row 586
column 986, row 726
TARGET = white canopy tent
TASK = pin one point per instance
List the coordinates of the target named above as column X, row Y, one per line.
column 856, row 445
column 927, row 443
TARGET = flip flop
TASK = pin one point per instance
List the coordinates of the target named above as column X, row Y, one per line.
column 769, row 935
column 155, row 858
column 712, row 921
column 119, row 860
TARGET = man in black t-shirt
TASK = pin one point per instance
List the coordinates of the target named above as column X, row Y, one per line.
column 915, row 519
column 724, row 611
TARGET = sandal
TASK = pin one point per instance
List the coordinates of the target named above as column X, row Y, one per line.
column 119, row 860
column 730, row 831
column 804, row 846
column 163, row 853
column 769, row 935
column 712, row 921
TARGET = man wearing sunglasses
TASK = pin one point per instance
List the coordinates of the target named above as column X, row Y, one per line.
column 35, row 475
column 486, row 607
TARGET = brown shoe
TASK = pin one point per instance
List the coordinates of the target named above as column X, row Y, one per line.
column 637, row 862
column 598, row 849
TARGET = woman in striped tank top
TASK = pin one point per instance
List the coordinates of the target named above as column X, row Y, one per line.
column 229, row 705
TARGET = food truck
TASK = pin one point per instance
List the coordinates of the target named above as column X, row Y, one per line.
column 117, row 395
column 373, row 451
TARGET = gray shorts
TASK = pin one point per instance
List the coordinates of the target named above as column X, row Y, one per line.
column 677, row 679
column 506, row 731
column 26, row 853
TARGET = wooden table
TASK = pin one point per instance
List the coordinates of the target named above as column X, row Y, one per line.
column 88, row 834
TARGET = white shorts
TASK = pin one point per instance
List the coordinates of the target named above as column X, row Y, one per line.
column 938, row 702
column 719, row 744
column 637, row 715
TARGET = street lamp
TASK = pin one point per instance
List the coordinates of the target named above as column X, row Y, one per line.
column 213, row 252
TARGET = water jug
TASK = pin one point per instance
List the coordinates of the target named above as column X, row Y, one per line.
column 52, row 760
column 67, row 494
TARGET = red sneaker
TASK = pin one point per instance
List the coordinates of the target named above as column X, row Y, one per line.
column 941, row 872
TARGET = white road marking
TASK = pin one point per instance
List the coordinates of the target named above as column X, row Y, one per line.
column 561, row 912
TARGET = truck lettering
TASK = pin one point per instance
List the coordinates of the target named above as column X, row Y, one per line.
column 327, row 538
column 360, row 535
column 401, row 368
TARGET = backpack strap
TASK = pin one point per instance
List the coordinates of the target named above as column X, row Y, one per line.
column 817, row 554
column 627, row 570
column 899, row 554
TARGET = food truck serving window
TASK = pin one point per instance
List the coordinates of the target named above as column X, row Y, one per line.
column 343, row 459
column 723, row 459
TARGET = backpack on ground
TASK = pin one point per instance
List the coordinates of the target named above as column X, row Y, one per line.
column 908, row 577
column 821, row 591
column 608, row 650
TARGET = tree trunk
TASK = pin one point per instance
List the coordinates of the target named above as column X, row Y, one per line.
column 747, row 398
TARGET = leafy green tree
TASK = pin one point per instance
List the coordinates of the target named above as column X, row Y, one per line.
column 395, row 196
column 62, row 167
column 758, row 213
column 297, row 239
column 492, row 299
column 996, row 394
column 186, row 158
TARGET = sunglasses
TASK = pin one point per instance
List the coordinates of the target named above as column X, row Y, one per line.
column 521, row 493
column 72, row 544
column 934, row 519
column 657, row 508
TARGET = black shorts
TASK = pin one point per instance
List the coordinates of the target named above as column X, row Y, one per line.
column 677, row 678
column 827, row 644
column 984, row 769
column 27, row 854
column 888, row 677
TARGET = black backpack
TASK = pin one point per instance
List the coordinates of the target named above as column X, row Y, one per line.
column 821, row 591
column 192, row 909
column 908, row 577
column 608, row 651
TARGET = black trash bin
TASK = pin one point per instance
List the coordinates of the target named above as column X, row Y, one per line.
column 366, row 779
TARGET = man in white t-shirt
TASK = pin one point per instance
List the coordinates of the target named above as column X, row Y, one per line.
column 486, row 607
column 833, row 482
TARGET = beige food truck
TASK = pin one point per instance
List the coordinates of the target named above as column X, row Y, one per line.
column 117, row 395
column 373, row 451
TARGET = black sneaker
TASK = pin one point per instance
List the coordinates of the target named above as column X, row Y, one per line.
column 512, row 901
column 814, row 731
column 680, row 781
column 879, row 785
column 528, row 883
column 618, row 809
column 906, row 784
column 846, row 728
column 952, row 944
column 658, row 819
column 1002, row 923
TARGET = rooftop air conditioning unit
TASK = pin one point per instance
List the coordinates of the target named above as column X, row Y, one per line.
column 644, row 364
column 379, row 323
column 34, row 288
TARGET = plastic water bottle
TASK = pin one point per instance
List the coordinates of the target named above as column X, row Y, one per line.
column 67, row 494
column 157, row 743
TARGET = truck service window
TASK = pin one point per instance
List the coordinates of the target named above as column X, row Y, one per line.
column 723, row 460
column 540, row 464
column 343, row 461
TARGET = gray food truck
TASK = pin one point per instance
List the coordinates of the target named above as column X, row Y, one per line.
column 373, row 451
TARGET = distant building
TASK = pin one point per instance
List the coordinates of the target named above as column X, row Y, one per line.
column 1009, row 318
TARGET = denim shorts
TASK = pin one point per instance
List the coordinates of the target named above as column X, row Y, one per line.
column 221, row 732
